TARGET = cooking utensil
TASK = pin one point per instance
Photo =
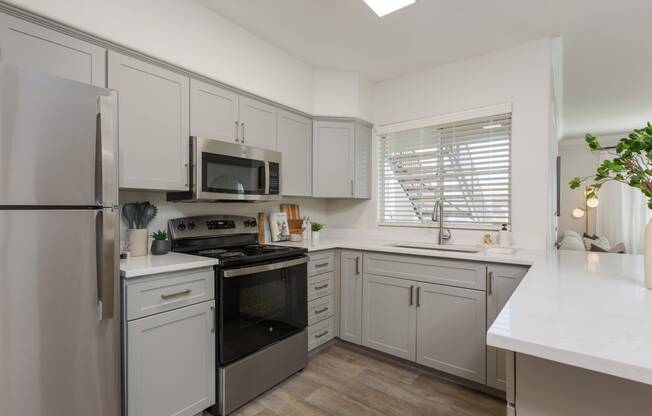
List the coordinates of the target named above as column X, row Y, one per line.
column 130, row 213
column 149, row 212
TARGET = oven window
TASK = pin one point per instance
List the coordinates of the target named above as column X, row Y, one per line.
column 259, row 309
column 233, row 175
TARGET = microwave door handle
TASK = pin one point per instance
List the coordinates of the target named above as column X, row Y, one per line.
column 106, row 151
column 105, row 221
column 266, row 178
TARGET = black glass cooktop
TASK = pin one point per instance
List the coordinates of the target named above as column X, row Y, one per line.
column 233, row 256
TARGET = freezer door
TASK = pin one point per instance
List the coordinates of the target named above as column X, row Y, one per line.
column 58, row 355
column 58, row 141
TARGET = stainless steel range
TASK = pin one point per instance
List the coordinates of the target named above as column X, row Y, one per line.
column 262, row 304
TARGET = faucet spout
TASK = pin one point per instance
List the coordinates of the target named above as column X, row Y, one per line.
column 438, row 216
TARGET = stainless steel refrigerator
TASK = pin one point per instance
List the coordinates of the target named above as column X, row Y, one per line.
column 59, row 296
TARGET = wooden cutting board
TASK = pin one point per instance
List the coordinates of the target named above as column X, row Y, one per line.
column 292, row 211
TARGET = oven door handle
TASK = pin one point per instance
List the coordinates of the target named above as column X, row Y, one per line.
column 264, row 267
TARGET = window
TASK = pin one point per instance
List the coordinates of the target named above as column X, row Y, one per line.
column 466, row 164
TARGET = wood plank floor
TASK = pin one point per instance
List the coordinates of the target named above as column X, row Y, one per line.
column 342, row 381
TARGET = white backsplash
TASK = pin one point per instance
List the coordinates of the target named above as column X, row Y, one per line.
column 313, row 208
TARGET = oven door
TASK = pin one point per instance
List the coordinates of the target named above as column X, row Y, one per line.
column 227, row 171
column 260, row 305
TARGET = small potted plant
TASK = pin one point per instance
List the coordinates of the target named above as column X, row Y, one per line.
column 316, row 227
column 160, row 244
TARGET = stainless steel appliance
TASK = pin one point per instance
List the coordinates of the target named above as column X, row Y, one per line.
column 262, row 304
column 221, row 171
column 59, row 303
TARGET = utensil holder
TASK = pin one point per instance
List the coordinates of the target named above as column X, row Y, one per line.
column 137, row 238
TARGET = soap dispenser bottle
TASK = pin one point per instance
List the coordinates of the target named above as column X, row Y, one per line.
column 505, row 237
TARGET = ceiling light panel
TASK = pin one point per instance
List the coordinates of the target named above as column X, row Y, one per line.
column 385, row 7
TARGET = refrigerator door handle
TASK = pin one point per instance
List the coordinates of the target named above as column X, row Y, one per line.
column 105, row 223
column 106, row 151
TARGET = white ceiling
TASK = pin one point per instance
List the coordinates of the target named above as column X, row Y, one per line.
column 607, row 51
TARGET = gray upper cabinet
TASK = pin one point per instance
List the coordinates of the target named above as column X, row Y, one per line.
column 362, row 182
column 502, row 280
column 451, row 330
column 257, row 123
column 154, row 124
column 29, row 45
column 341, row 160
column 389, row 315
column 351, row 296
column 213, row 112
column 333, row 159
column 295, row 143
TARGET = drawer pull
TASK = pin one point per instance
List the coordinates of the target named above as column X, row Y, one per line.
column 318, row 266
column 321, row 310
column 323, row 334
column 321, row 287
column 167, row 296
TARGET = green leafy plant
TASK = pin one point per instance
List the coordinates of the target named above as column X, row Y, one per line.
column 316, row 226
column 631, row 165
column 160, row 235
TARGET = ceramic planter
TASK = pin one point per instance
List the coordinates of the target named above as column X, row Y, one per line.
column 160, row 247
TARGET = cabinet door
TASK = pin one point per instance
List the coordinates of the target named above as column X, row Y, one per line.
column 351, row 296
column 26, row 44
column 295, row 143
column 154, row 128
column 257, row 124
column 362, row 184
column 502, row 280
column 171, row 362
column 213, row 112
column 451, row 330
column 389, row 315
column 333, row 159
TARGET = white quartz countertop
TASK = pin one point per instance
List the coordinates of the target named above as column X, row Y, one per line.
column 171, row 262
column 589, row 310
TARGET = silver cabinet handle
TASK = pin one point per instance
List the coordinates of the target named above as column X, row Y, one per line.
column 323, row 334
column 237, row 132
column 243, row 132
column 320, row 311
column 213, row 319
column 411, row 295
column 357, row 265
column 166, row 296
column 317, row 266
column 352, row 188
column 490, row 283
column 418, row 296
column 321, row 287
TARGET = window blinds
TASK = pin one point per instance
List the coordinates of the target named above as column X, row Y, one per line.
column 466, row 164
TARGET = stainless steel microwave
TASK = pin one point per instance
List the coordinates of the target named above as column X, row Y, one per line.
column 222, row 171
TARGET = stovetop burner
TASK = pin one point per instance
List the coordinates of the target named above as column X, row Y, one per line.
column 250, row 253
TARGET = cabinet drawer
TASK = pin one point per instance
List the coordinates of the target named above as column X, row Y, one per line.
column 465, row 274
column 164, row 292
column 320, row 286
column 320, row 333
column 321, row 263
column 320, row 309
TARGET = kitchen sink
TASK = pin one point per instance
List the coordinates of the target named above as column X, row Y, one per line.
column 438, row 247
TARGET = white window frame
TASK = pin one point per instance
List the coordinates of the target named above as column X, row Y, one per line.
column 382, row 130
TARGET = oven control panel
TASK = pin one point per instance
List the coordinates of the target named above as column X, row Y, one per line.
column 212, row 225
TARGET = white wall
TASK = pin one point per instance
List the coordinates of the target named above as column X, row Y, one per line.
column 342, row 94
column 189, row 35
column 520, row 75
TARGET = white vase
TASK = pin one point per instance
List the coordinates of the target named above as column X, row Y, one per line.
column 315, row 238
column 137, row 238
column 648, row 255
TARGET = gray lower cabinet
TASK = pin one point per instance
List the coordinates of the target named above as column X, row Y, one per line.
column 29, row 45
column 257, row 123
column 295, row 143
column 213, row 112
column 451, row 330
column 502, row 280
column 389, row 315
column 351, row 296
column 154, row 124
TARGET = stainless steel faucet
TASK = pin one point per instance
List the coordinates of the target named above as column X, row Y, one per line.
column 438, row 215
